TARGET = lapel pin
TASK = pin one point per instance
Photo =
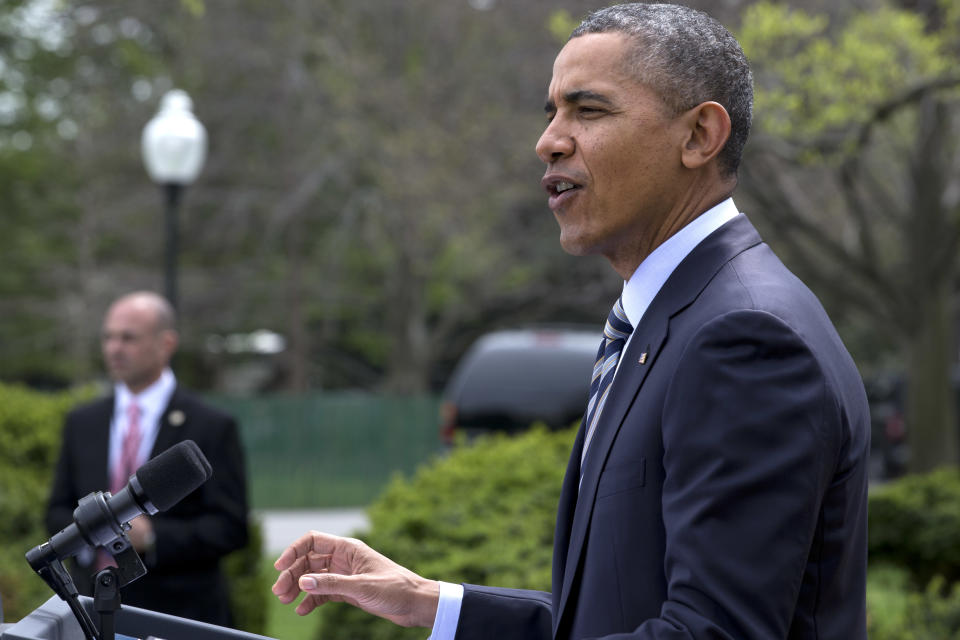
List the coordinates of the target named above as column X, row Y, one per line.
column 643, row 358
column 176, row 418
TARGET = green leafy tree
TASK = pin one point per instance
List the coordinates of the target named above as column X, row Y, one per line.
column 853, row 169
column 61, row 67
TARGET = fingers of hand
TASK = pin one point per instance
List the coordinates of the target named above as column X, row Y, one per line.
column 311, row 602
column 310, row 542
column 299, row 547
column 287, row 586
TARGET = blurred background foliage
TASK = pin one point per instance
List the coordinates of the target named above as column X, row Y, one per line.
column 371, row 189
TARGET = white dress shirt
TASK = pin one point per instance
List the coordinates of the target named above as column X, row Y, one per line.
column 638, row 292
column 152, row 402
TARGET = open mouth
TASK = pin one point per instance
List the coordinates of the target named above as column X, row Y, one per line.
column 558, row 187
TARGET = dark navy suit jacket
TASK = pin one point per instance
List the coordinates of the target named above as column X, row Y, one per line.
column 183, row 574
column 724, row 494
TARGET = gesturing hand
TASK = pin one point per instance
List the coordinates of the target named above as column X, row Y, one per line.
column 334, row 569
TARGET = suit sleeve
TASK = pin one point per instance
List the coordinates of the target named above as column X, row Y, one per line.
column 750, row 435
column 505, row 614
column 214, row 522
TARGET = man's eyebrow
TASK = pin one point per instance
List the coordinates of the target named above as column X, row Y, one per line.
column 579, row 95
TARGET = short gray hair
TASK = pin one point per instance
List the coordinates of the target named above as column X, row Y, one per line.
column 687, row 58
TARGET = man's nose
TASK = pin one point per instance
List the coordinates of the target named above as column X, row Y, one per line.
column 554, row 143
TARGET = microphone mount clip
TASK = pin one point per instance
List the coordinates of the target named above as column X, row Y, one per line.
column 107, row 583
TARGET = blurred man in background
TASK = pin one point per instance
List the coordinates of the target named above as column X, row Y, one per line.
column 105, row 441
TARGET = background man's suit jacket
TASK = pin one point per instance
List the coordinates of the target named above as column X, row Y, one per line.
column 183, row 573
column 724, row 494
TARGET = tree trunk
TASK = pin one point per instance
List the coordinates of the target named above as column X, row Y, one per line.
column 408, row 362
column 932, row 431
column 299, row 348
column 931, row 405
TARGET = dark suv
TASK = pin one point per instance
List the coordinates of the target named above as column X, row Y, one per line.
column 508, row 380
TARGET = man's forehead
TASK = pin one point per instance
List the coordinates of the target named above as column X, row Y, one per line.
column 589, row 63
column 129, row 320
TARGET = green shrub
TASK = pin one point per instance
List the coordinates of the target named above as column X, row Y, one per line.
column 914, row 523
column 30, row 424
column 914, row 582
column 887, row 589
column 897, row 611
column 249, row 584
column 484, row 514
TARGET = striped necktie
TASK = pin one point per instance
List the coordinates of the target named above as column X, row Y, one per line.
column 122, row 470
column 130, row 450
column 615, row 335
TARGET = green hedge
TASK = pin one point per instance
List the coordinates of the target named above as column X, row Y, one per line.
column 249, row 584
column 484, row 514
column 914, row 529
column 30, row 427
column 915, row 524
column 30, row 424
column 898, row 611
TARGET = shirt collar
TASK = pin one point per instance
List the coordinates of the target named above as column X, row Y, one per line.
column 646, row 282
column 154, row 399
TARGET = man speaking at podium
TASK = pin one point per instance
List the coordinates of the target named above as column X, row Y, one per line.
column 718, row 485
column 106, row 441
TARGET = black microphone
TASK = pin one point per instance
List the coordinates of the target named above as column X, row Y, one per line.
column 101, row 518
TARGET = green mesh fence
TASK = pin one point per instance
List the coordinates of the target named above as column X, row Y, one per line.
column 330, row 449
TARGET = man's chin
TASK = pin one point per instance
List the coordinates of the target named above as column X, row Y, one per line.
column 575, row 245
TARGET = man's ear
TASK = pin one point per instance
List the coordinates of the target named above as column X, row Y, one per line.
column 170, row 340
column 708, row 127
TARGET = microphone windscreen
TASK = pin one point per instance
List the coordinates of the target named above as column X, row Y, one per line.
column 174, row 474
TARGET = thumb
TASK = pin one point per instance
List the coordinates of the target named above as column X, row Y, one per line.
column 333, row 587
column 325, row 583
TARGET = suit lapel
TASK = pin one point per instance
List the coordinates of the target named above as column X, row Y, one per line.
column 98, row 448
column 167, row 431
column 681, row 289
column 565, row 511
column 623, row 390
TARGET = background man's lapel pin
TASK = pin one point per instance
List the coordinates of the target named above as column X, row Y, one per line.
column 176, row 418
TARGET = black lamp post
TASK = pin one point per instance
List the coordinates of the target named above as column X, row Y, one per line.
column 174, row 147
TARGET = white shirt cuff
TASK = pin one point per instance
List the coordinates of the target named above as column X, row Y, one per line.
column 448, row 612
